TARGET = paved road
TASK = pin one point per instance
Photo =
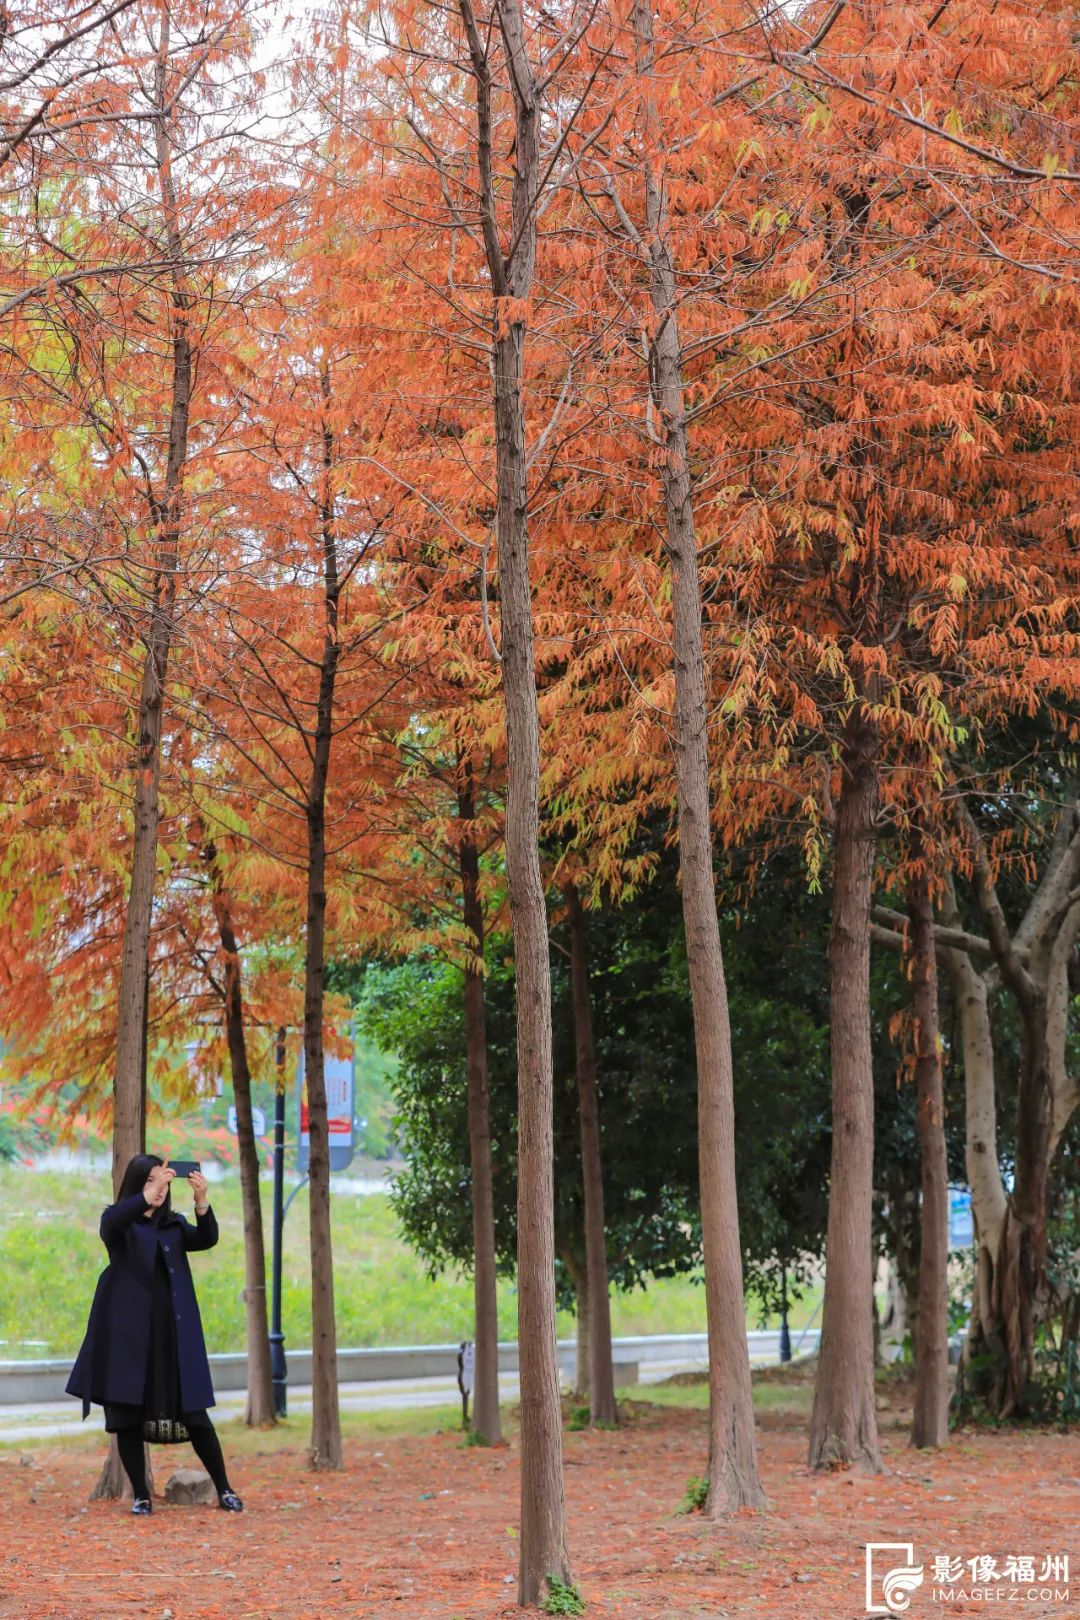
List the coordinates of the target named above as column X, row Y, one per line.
column 39, row 1422
column 43, row 1419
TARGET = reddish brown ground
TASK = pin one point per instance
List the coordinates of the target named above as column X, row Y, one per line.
column 424, row 1528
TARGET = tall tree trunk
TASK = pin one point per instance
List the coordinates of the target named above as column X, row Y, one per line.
column 843, row 1425
column 542, row 1542
column 543, row 1525
column 486, row 1420
column 930, row 1422
column 324, row 1446
column 733, row 1473
column 166, row 514
column 259, row 1411
column 544, row 1549
column 601, row 1373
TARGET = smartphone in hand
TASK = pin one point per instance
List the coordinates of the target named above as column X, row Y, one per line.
column 184, row 1167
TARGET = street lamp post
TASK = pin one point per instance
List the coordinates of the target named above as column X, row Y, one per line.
column 278, row 1373
column 785, row 1334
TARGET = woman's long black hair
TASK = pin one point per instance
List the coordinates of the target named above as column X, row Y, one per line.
column 135, row 1178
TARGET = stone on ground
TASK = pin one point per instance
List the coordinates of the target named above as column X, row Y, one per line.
column 190, row 1487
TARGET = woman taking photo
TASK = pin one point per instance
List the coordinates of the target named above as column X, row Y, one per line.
column 144, row 1357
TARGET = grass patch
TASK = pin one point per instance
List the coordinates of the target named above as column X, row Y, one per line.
column 695, row 1495
column 561, row 1598
column 383, row 1295
column 795, row 1398
column 289, row 1435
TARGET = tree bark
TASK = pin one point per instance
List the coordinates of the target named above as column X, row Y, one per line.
column 166, row 514
column 259, row 1411
column 1019, row 1273
column 602, row 1407
column 843, row 1425
column 733, row 1473
column 988, row 1198
column 486, row 1421
column 543, row 1550
column 930, row 1422
column 324, row 1446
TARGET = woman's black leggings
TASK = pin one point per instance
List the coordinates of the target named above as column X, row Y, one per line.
column 205, row 1443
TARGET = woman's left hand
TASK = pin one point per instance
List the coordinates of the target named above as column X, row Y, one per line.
column 198, row 1187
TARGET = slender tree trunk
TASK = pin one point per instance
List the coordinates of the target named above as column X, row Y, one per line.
column 1021, row 1260
column 543, row 1545
column 602, row 1407
column 486, row 1420
column 579, row 1276
column 988, row 1198
column 843, row 1425
column 259, row 1411
column 930, row 1422
column 129, row 1082
column 544, row 1549
column 733, row 1473
column 324, row 1446
column 543, row 1525
column 902, row 1285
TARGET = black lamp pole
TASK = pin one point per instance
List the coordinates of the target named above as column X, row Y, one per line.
column 278, row 1374
column 785, row 1334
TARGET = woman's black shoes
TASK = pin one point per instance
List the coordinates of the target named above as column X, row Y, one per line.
column 228, row 1500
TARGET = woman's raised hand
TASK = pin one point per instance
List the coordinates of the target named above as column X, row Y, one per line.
column 199, row 1188
column 157, row 1183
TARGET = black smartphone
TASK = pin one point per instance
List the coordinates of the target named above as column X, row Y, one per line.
column 183, row 1167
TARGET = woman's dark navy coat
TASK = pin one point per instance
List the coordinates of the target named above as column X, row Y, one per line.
column 111, row 1366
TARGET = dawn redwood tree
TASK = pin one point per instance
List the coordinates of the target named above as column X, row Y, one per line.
column 511, row 266
column 167, row 513
column 486, row 1420
column 325, row 1442
column 229, row 986
column 296, row 681
column 444, row 836
column 442, row 824
column 595, row 1320
column 733, row 1475
column 843, row 1424
column 164, row 488
column 115, row 315
column 934, row 352
column 930, row 1420
column 289, row 674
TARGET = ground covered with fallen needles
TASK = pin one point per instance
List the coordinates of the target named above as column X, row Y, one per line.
column 420, row 1525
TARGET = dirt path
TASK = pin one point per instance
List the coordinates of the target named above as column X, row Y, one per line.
column 424, row 1529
